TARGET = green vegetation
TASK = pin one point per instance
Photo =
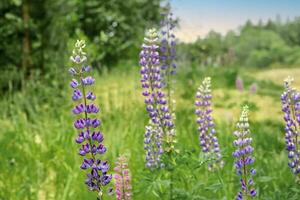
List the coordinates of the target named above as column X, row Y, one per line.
column 37, row 36
column 254, row 45
column 39, row 159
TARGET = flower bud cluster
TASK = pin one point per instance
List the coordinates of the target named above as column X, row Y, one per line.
column 87, row 124
column 243, row 157
column 123, row 179
column 290, row 100
column 206, row 126
column 157, row 105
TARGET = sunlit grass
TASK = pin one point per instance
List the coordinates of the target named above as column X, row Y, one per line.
column 39, row 156
column 278, row 75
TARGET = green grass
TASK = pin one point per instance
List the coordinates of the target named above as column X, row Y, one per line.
column 39, row 156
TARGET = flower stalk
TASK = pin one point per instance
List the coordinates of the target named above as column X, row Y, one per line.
column 87, row 123
column 243, row 157
column 168, row 52
column 160, row 132
column 206, row 126
column 290, row 100
column 123, row 179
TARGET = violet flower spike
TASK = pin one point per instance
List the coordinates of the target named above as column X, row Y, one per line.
column 168, row 43
column 168, row 53
column 206, row 127
column 290, row 100
column 239, row 84
column 153, row 146
column 243, row 158
column 89, row 138
column 123, row 179
column 253, row 88
column 155, row 99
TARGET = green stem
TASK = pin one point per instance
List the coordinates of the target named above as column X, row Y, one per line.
column 171, row 185
column 87, row 129
column 244, row 176
column 86, row 115
column 168, row 67
column 296, row 127
column 170, row 169
column 123, row 181
column 100, row 195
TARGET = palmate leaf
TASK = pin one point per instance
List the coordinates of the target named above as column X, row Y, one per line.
column 214, row 187
column 159, row 187
column 197, row 187
column 183, row 194
column 265, row 179
column 189, row 158
column 153, row 182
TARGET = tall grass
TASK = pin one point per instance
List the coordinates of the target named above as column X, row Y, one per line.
column 38, row 155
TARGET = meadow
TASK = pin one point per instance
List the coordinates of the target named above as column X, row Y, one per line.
column 142, row 58
column 39, row 156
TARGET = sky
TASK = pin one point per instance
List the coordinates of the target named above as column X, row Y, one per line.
column 198, row 17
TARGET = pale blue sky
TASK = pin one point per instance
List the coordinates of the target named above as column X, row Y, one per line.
column 198, row 17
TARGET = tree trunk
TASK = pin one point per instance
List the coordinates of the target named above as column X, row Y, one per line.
column 26, row 59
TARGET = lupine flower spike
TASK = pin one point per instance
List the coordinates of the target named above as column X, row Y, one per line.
column 253, row 88
column 123, row 179
column 153, row 145
column 290, row 100
column 168, row 52
column 87, row 124
column 207, row 133
column 239, row 84
column 243, row 157
column 161, row 125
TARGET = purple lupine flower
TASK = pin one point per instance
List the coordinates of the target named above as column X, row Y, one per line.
column 74, row 83
column 155, row 99
column 87, row 80
column 88, row 137
column 253, row 88
column 168, row 52
column 206, row 127
column 167, row 42
column 243, row 158
column 72, row 71
column 239, row 84
column 153, row 146
column 76, row 95
column 123, row 179
column 90, row 96
column 290, row 100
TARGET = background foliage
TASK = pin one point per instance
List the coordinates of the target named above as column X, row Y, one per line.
column 35, row 34
column 253, row 45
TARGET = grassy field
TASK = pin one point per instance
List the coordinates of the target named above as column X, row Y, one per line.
column 39, row 156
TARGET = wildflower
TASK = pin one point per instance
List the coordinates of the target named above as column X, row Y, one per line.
column 151, row 79
column 290, row 100
column 243, row 157
column 207, row 133
column 168, row 45
column 239, row 84
column 157, row 105
column 253, row 88
column 168, row 54
column 153, row 145
column 123, row 179
column 89, row 138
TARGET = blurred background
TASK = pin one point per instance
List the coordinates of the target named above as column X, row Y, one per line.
column 247, row 47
